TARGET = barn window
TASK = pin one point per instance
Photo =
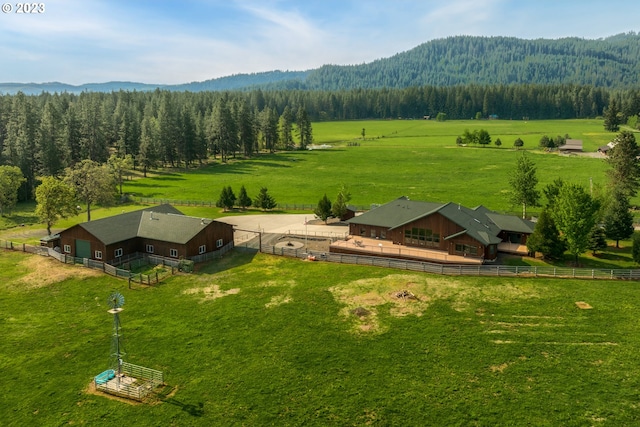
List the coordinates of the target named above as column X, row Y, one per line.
column 219, row 243
column 202, row 249
column 118, row 252
column 67, row 249
column 173, row 253
column 98, row 254
column 150, row 249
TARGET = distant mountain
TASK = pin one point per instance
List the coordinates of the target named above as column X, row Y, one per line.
column 611, row 62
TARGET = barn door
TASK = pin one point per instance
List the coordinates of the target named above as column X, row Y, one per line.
column 83, row 248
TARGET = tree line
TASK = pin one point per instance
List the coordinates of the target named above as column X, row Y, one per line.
column 44, row 134
column 576, row 219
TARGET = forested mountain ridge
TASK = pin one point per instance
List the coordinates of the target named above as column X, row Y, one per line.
column 611, row 62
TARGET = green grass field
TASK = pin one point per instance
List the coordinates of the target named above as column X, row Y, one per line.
column 261, row 340
column 415, row 158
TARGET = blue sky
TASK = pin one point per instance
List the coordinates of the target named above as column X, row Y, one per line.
column 168, row 42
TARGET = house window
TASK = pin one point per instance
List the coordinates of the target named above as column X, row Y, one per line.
column 421, row 237
column 202, row 249
column 98, row 254
column 363, row 232
column 466, row 249
column 118, row 252
column 173, row 253
column 373, row 233
column 383, row 234
column 149, row 249
column 219, row 243
column 67, row 249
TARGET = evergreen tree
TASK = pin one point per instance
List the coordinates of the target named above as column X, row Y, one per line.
column 612, row 117
column 11, row 179
column 546, row 238
column 483, row 137
column 264, row 200
column 523, row 183
column 597, row 239
column 148, row 154
column 339, row 208
column 625, row 166
column 286, row 126
column 244, row 201
column 304, row 128
column 323, row 210
column 498, row 142
column 518, row 143
column 227, row 198
column 618, row 220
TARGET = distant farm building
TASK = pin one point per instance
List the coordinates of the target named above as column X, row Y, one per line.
column 425, row 231
column 571, row 145
column 161, row 230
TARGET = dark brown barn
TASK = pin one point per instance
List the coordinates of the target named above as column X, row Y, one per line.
column 450, row 228
column 161, row 230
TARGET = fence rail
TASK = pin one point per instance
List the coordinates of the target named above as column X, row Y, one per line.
column 452, row 269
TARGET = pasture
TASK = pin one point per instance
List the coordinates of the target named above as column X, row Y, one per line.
column 415, row 158
column 261, row 340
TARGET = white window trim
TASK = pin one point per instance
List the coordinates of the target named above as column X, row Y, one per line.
column 98, row 254
column 173, row 253
column 202, row 249
column 117, row 253
column 219, row 243
column 149, row 249
column 67, row 249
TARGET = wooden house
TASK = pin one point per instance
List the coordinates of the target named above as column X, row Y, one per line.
column 161, row 230
column 449, row 228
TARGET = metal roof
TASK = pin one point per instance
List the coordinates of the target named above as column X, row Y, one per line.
column 127, row 226
column 480, row 223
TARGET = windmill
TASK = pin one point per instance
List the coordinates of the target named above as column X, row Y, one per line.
column 116, row 301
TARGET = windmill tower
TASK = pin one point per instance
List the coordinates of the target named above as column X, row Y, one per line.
column 116, row 301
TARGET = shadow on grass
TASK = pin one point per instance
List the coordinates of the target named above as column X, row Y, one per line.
column 195, row 410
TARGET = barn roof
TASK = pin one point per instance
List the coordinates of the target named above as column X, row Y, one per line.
column 129, row 225
column 480, row 223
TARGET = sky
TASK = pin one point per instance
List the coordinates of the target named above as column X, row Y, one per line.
column 181, row 41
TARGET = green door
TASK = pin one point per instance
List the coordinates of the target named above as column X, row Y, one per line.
column 83, row 248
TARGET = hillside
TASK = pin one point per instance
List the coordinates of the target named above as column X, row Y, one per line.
column 610, row 63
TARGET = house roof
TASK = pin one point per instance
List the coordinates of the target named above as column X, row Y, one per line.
column 163, row 222
column 395, row 213
column 480, row 223
column 571, row 144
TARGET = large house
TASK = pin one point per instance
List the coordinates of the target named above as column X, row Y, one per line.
column 439, row 232
column 161, row 230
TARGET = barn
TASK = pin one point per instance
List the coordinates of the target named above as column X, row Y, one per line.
column 439, row 232
column 160, row 230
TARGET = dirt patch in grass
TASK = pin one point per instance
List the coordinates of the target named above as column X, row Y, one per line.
column 47, row 271
column 211, row 292
column 412, row 294
column 278, row 300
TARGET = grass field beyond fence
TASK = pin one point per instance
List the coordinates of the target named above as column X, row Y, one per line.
column 254, row 339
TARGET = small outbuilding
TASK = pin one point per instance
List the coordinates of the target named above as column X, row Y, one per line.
column 571, row 145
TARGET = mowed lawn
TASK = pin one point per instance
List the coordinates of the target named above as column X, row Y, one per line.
column 261, row 340
column 414, row 158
